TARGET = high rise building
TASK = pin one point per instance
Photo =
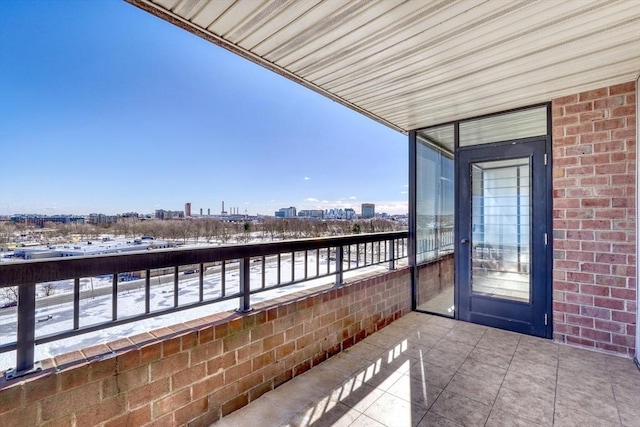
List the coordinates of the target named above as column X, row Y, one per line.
column 187, row 209
column 289, row 212
column 368, row 210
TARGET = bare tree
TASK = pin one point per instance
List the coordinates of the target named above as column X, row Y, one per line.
column 10, row 293
column 47, row 289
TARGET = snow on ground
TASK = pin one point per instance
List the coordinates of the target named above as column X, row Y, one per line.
column 55, row 313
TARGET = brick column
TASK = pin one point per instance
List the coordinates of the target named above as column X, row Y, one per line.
column 594, row 175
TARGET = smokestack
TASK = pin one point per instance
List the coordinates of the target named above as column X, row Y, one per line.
column 208, row 211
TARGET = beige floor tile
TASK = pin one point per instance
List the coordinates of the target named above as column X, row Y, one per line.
column 505, row 344
column 451, row 346
column 619, row 367
column 393, row 411
column 491, row 357
column 384, row 341
column 416, row 391
column 566, row 352
column 358, row 397
column 434, row 330
column 627, row 394
column 499, row 418
column 415, row 351
column 534, row 369
column 525, row 406
column 432, row 374
column 423, row 338
column 464, row 337
column 384, row 378
column 347, row 364
column 324, row 377
column 445, row 359
column 597, row 406
column 334, row 414
column 364, row 421
column 461, row 409
column 263, row 411
column 474, row 388
column 365, row 351
column 543, row 344
column 395, row 331
column 629, row 379
column 442, row 322
column 473, row 328
column 629, row 414
column 597, row 367
column 569, row 417
column 305, row 392
column 538, row 387
column 435, row 420
column 590, row 384
column 537, row 355
column 481, row 370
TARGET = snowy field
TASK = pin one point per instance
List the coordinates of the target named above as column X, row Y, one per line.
column 55, row 313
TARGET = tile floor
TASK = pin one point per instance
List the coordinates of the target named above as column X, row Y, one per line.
column 431, row 371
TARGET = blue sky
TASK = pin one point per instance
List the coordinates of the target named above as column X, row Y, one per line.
column 106, row 108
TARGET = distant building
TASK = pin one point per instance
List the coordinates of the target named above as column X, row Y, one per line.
column 312, row 213
column 134, row 215
column 163, row 214
column 289, row 212
column 368, row 210
column 187, row 209
column 40, row 220
column 349, row 213
column 98, row 218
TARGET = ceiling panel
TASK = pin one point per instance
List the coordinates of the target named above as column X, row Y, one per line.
column 412, row 64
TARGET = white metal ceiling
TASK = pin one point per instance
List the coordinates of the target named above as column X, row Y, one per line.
column 411, row 64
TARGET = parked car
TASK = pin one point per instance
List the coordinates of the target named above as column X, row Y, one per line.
column 10, row 304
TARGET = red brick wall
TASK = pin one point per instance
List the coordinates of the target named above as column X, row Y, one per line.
column 197, row 372
column 594, row 175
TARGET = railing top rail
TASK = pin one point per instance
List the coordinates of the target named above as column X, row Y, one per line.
column 47, row 270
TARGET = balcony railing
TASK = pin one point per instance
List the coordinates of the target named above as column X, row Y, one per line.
column 256, row 267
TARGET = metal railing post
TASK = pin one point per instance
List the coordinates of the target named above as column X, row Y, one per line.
column 339, row 266
column 245, row 285
column 392, row 255
column 26, row 333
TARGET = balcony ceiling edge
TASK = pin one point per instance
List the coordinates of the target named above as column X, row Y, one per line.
column 409, row 65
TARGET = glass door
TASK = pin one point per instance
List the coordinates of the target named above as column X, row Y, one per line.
column 502, row 231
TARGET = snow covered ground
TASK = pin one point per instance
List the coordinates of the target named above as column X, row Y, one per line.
column 55, row 313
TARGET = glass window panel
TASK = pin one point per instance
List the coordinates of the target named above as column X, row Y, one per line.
column 441, row 137
column 435, row 223
column 504, row 127
column 500, row 212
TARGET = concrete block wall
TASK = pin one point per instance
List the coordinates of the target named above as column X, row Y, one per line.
column 594, row 219
column 194, row 373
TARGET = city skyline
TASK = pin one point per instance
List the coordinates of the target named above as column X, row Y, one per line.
column 97, row 117
column 199, row 212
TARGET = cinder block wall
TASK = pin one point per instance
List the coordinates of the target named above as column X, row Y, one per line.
column 594, row 175
column 196, row 373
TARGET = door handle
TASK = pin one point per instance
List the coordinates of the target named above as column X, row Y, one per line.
column 464, row 241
